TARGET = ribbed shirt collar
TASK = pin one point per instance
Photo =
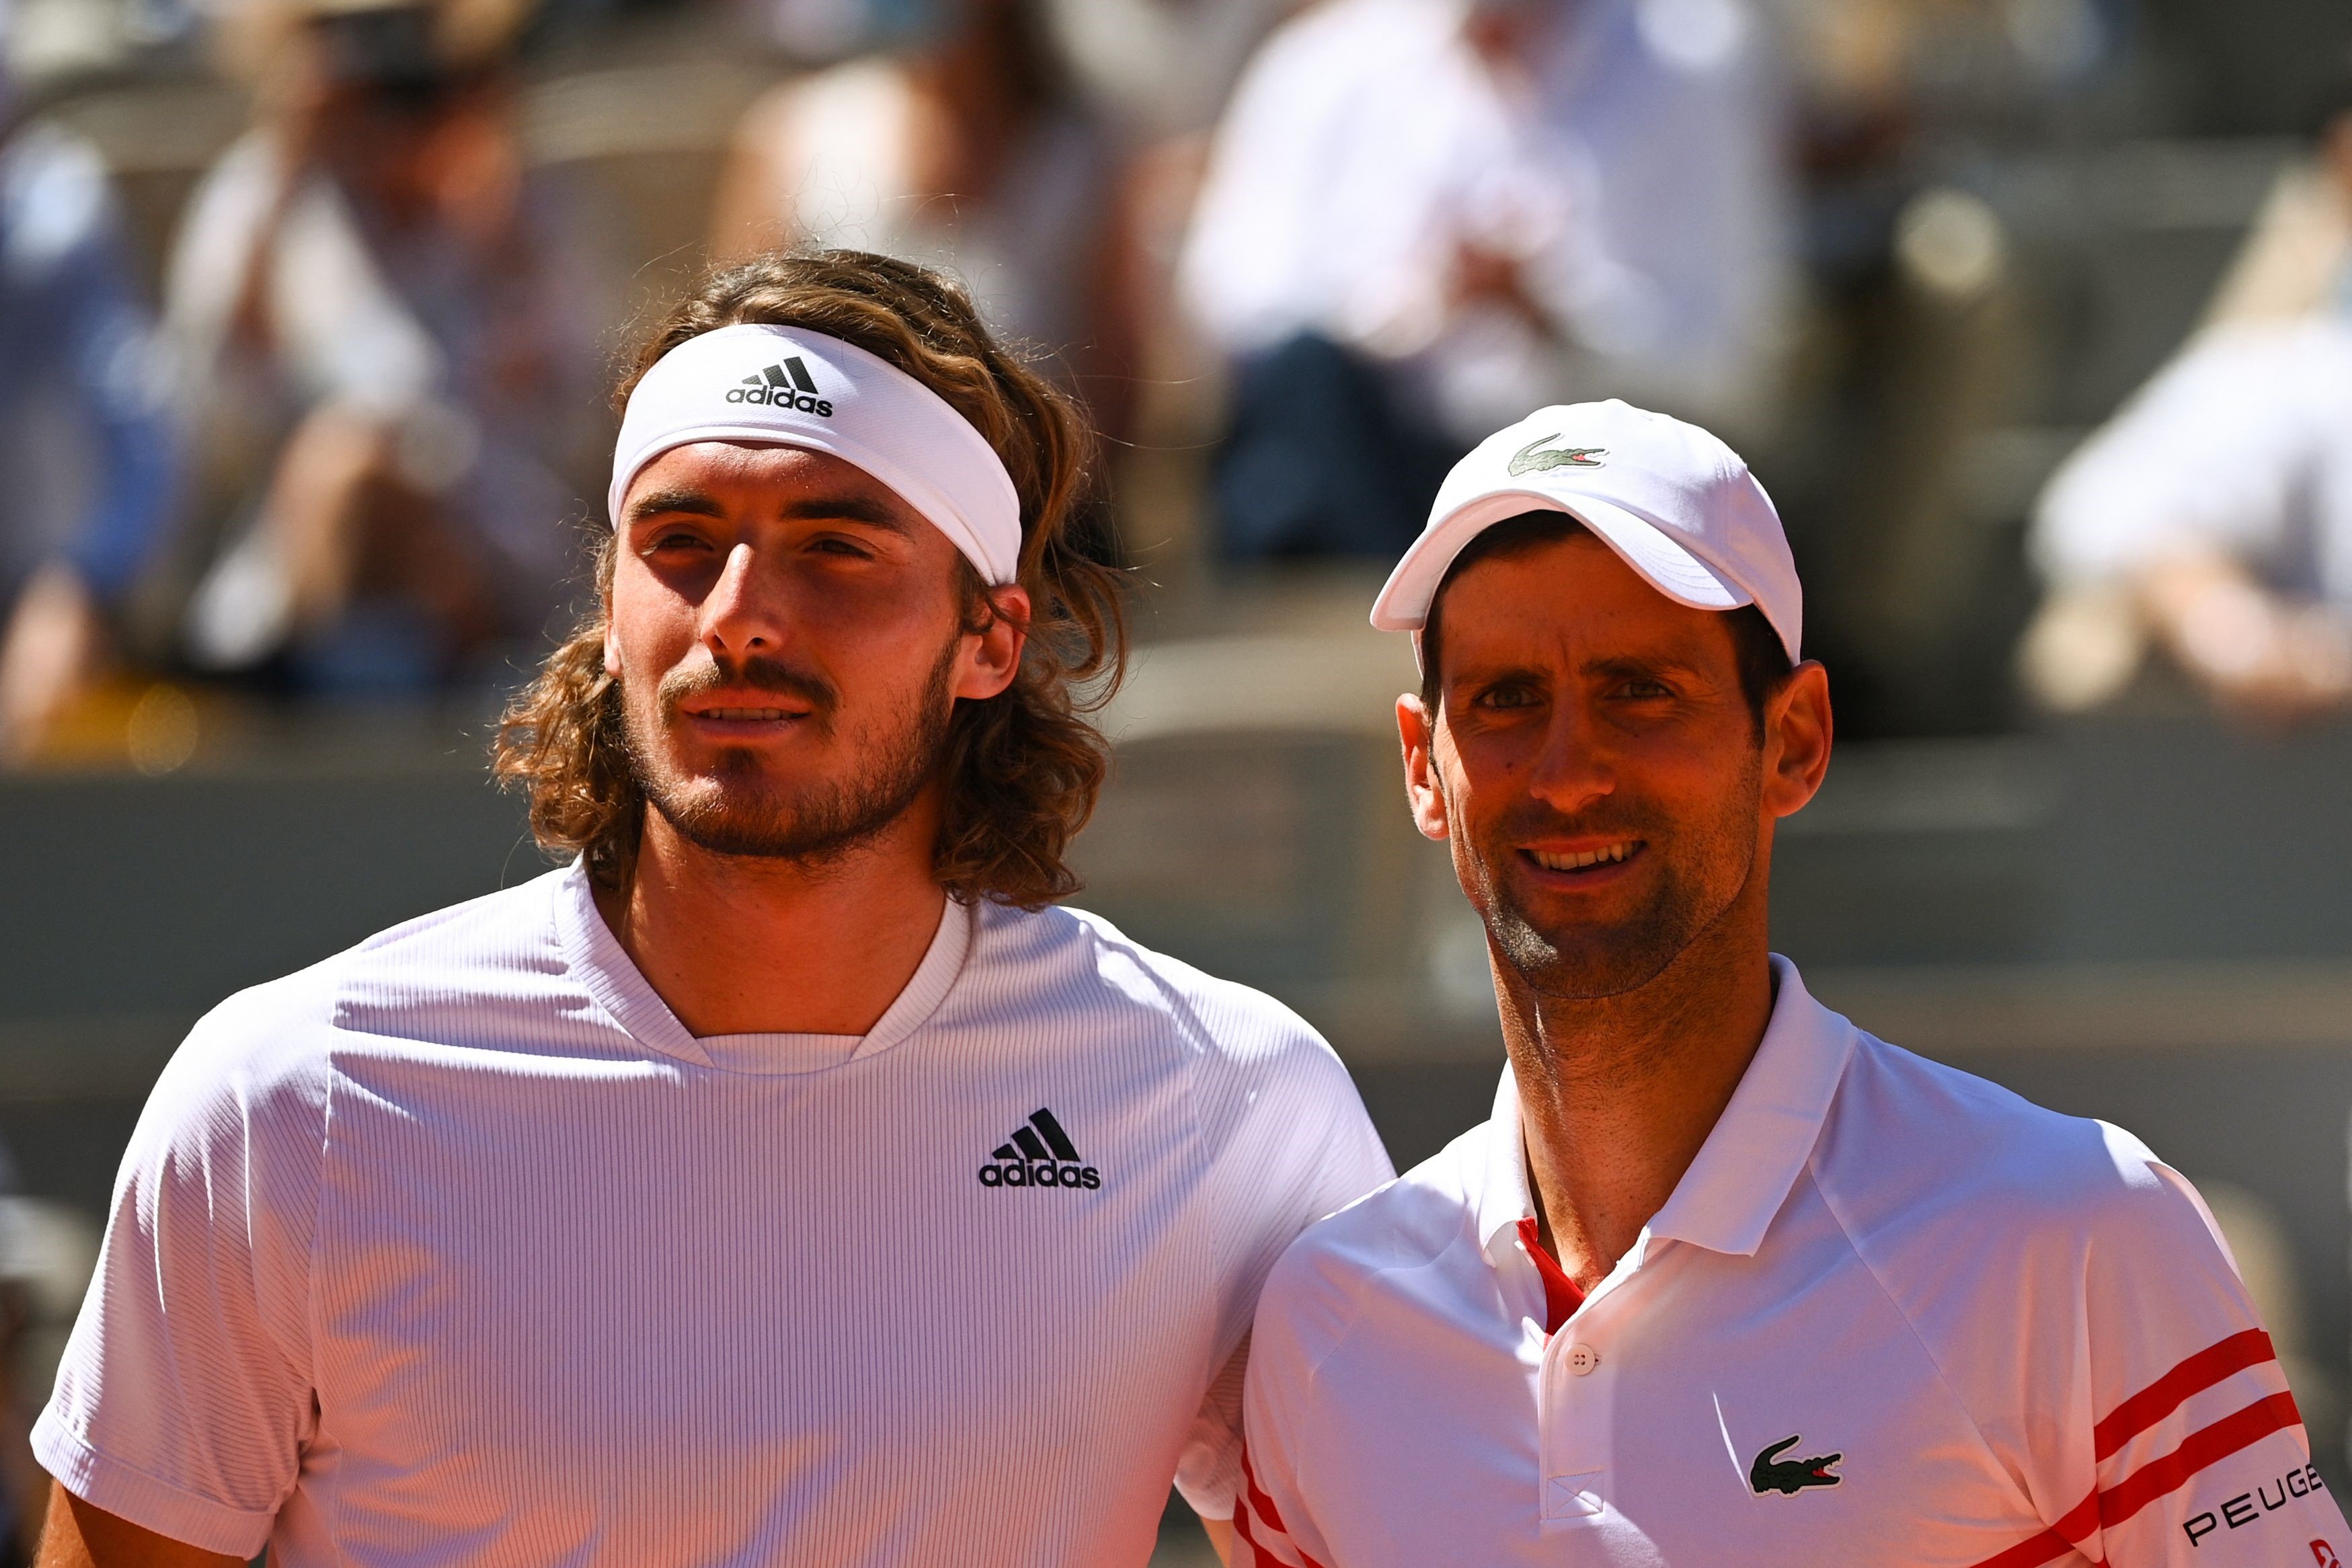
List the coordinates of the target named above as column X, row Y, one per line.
column 601, row 964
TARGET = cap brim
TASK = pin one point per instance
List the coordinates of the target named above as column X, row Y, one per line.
column 1403, row 602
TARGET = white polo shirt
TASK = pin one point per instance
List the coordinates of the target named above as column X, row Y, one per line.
column 458, row 1247
column 1891, row 1315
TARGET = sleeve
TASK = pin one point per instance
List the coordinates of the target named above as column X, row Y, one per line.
column 1272, row 1528
column 2180, row 1436
column 1281, row 1178
column 186, row 1395
column 2213, row 454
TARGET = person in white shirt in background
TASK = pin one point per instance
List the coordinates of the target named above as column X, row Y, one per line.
column 1723, row 1279
column 2210, row 519
column 1420, row 216
column 788, row 1179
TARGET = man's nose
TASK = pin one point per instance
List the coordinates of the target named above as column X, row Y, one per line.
column 1575, row 766
column 743, row 612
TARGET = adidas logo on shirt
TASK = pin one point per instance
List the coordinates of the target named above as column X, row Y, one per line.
column 785, row 385
column 1040, row 1155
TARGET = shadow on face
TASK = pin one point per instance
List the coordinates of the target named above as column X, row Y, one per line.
column 1595, row 763
column 789, row 636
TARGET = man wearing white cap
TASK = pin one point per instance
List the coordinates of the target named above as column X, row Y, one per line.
column 785, row 1180
column 1723, row 1280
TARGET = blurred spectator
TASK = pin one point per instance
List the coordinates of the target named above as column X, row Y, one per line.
column 2299, row 258
column 1162, row 67
column 1423, row 217
column 2213, row 515
column 963, row 145
column 84, row 435
column 388, row 332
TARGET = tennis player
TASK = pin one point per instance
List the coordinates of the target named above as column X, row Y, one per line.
column 1723, row 1280
column 785, row 1180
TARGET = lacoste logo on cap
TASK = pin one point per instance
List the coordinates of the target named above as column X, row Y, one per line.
column 1528, row 460
column 1771, row 1473
column 1040, row 1154
column 785, row 385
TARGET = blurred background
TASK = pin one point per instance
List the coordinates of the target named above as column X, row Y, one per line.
column 2035, row 316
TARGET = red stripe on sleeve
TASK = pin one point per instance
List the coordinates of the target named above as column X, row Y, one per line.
column 2165, row 1396
column 2054, row 1542
column 2199, row 1450
column 1254, row 1500
column 2159, row 1478
column 1262, row 1504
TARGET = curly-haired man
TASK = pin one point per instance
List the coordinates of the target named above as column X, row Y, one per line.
column 783, row 1179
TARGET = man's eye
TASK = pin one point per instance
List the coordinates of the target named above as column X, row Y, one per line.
column 1507, row 697
column 1645, row 690
column 677, row 539
column 834, row 545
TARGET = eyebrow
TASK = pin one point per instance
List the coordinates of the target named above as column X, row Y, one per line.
column 694, row 503
column 1618, row 668
column 846, row 508
column 837, row 508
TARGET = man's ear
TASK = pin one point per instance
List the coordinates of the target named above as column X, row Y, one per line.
column 612, row 644
column 992, row 653
column 1417, row 732
column 1796, row 735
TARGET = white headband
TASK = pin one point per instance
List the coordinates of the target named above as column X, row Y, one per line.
column 799, row 388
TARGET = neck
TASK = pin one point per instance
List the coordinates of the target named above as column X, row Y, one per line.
column 743, row 945
column 1618, row 1093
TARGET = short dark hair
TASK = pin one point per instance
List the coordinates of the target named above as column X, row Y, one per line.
column 1763, row 662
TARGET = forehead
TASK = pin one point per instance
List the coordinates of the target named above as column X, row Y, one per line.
column 760, row 476
column 1574, row 600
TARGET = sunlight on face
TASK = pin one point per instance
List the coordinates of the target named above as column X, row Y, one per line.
column 1602, row 772
column 788, row 637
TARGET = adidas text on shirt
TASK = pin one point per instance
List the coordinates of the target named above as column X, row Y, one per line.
column 459, row 1247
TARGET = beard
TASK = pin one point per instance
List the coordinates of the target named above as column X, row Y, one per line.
column 739, row 808
column 1701, row 869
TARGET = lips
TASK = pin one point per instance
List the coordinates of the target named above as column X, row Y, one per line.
column 1583, row 859
column 748, row 715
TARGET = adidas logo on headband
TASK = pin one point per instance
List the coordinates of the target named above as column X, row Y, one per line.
column 785, row 385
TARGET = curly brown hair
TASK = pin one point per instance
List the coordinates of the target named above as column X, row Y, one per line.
column 1023, row 767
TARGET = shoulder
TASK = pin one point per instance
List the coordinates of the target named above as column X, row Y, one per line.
column 1924, row 1164
column 1389, row 1236
column 1070, row 959
column 272, row 1046
column 1313, row 49
column 856, row 101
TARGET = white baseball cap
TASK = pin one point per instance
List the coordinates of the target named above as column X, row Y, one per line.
column 1674, row 501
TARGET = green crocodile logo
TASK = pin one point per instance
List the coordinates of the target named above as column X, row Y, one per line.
column 1528, row 460
column 1771, row 1473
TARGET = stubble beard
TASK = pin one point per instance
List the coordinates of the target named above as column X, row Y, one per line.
column 740, row 809
column 1592, row 963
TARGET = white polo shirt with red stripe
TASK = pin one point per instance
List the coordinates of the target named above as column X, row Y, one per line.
column 1892, row 1314
column 460, row 1248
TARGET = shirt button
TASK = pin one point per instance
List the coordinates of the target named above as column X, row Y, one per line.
column 1582, row 1359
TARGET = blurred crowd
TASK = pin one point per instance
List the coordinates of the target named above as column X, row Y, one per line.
column 321, row 426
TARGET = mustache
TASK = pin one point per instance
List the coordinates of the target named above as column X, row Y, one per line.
column 1530, row 819
column 757, row 673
